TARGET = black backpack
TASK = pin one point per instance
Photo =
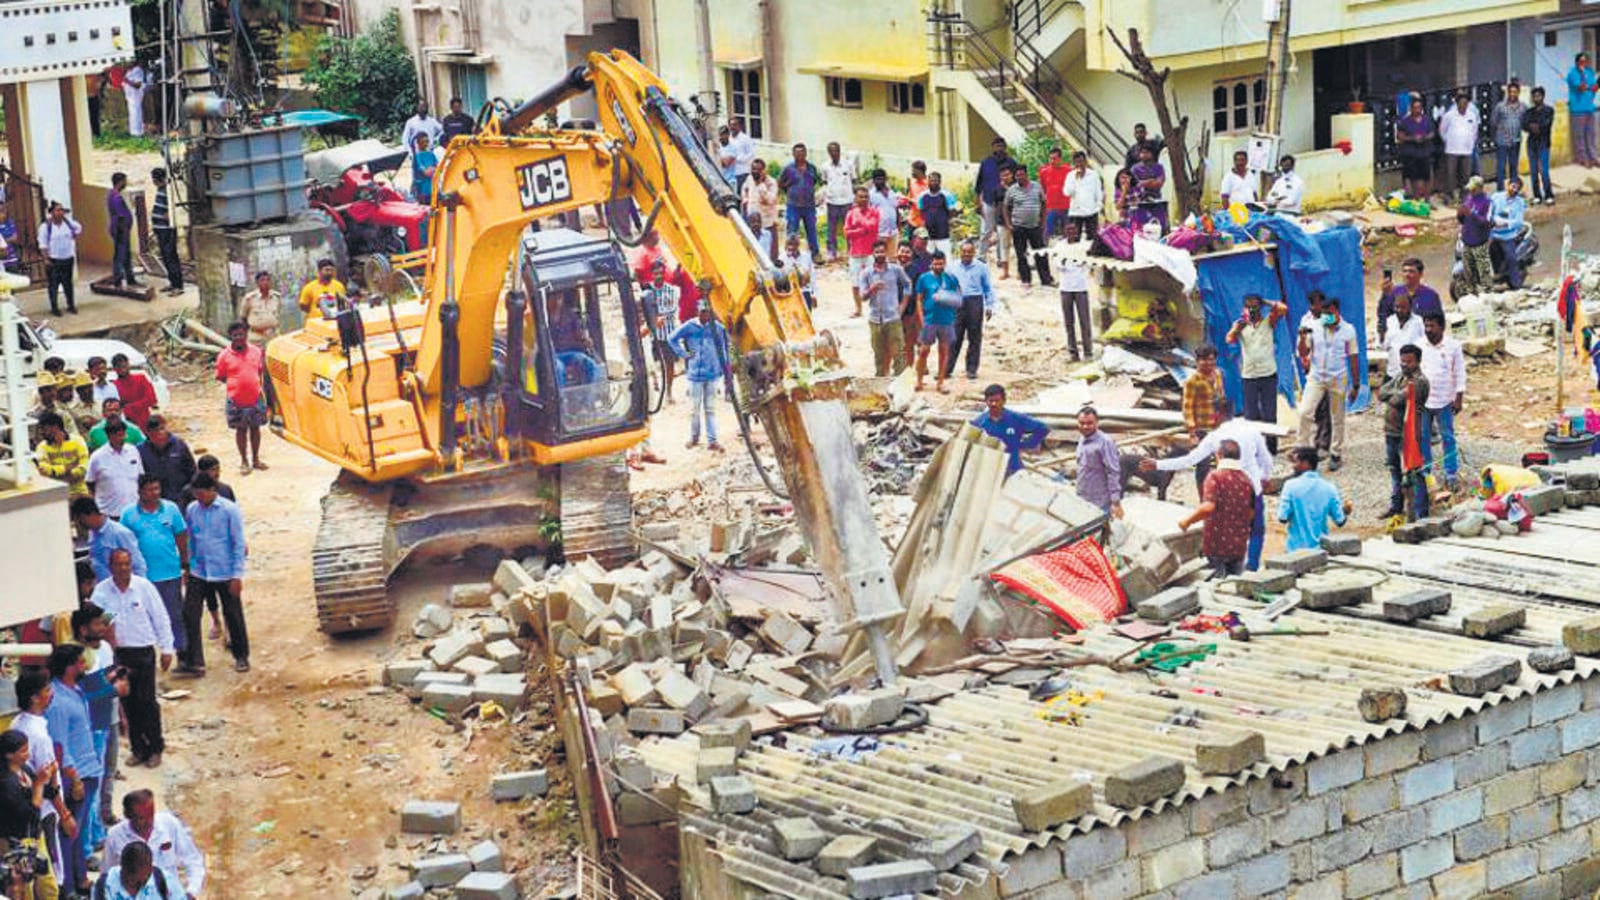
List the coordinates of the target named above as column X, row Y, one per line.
column 100, row 892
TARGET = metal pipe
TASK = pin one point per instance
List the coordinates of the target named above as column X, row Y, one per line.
column 12, row 651
column 516, row 308
column 208, row 106
column 683, row 137
column 16, row 399
column 576, row 82
column 450, row 354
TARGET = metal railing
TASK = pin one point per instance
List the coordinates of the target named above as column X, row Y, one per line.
column 1386, row 114
column 955, row 43
column 15, row 450
column 1028, row 17
column 25, row 209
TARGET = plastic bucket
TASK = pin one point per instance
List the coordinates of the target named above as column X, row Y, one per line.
column 1566, row 449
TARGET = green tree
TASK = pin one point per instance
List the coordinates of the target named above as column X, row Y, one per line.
column 370, row 75
column 1034, row 151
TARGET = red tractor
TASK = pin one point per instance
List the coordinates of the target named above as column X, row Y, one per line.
column 382, row 227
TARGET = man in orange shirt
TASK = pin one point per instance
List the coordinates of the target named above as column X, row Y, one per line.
column 1053, row 178
column 137, row 393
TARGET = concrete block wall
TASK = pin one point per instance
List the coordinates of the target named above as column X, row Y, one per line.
column 1502, row 803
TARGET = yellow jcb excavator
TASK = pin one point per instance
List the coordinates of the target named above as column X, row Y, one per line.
column 491, row 415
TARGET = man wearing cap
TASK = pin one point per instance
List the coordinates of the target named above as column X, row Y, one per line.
column 75, row 390
column 49, row 386
column 1477, row 270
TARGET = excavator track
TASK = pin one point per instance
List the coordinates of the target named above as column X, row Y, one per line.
column 597, row 510
column 349, row 567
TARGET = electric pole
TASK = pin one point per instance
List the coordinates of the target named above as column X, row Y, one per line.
column 1276, row 12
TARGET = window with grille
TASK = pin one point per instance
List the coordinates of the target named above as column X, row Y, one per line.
column 1238, row 106
column 844, row 92
column 907, row 97
column 744, row 101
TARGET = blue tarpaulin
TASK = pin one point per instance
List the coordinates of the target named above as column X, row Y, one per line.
column 1329, row 261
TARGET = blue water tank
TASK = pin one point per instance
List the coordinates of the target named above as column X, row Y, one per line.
column 256, row 176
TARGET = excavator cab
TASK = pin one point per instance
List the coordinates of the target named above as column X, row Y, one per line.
column 580, row 372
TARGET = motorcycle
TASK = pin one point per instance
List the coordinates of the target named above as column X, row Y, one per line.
column 1527, row 253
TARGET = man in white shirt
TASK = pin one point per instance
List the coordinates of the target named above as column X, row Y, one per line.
column 34, row 694
column 1458, row 128
column 1254, row 457
column 740, row 152
column 114, row 471
column 1331, row 371
column 133, row 79
column 1074, row 280
column 1288, row 189
column 172, row 846
column 1444, row 364
column 58, row 238
column 1403, row 328
column 140, row 628
column 421, row 123
column 1238, row 184
column 838, row 191
column 1085, row 199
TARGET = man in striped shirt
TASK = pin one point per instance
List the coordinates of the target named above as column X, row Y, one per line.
column 1024, row 216
column 166, row 232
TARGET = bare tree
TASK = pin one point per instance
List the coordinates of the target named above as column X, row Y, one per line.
column 1187, row 176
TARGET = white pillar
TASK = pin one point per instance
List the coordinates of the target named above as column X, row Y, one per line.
column 47, row 139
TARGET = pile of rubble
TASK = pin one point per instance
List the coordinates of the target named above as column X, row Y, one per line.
column 1573, row 490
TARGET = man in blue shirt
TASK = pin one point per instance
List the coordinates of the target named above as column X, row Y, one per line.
column 940, row 295
column 164, row 542
column 217, row 554
column 977, row 304
column 799, row 181
column 1014, row 430
column 105, row 535
column 1506, row 209
column 1581, row 86
column 81, row 767
column 991, row 196
column 1309, row 501
column 703, row 342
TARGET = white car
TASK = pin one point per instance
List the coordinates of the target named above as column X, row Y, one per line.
column 38, row 343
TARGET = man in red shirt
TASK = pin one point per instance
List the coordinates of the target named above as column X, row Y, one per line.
column 1052, row 177
column 645, row 260
column 137, row 393
column 1228, row 507
column 240, row 368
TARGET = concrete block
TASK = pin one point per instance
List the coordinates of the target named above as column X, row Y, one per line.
column 1536, row 746
column 506, row 656
column 1494, row 620
column 1236, row 843
column 605, row 699
column 510, row 577
column 680, row 692
column 519, row 785
column 1546, row 498
column 444, row 870
column 1372, row 797
column 1503, row 720
column 1392, row 753
column 1169, row 605
column 1511, row 866
column 1330, row 589
column 735, row 734
column 1482, row 764
column 1261, row 876
column 785, row 633
column 475, row 665
column 1333, row 771
column 402, row 673
column 1416, row 604
column 1563, row 849
column 656, row 720
column 1263, row 581
column 948, row 845
column 431, row 621
column 891, row 879
column 864, row 709
column 488, row 886
column 486, row 857
column 510, row 691
column 1144, row 782
column 452, row 698
column 1171, row 865
column 471, row 596
column 1382, row 704
column 1411, row 533
column 638, row 809
column 1579, row 807
column 1583, row 636
column 1534, row 821
column 1085, row 854
column 1583, row 480
column 1401, row 828
column 455, row 646
column 411, row 890
column 633, row 682
column 494, row 629
column 1580, row 732
column 732, row 794
column 1427, row 781
column 798, row 838
column 1298, row 562
column 1483, row 838
column 434, row 676
column 430, row 817
column 1053, row 804
column 846, row 852
column 1230, row 753
column 1550, row 659
column 1491, row 673
column 1339, row 544
column 1426, row 859
column 1454, row 811
column 715, row 762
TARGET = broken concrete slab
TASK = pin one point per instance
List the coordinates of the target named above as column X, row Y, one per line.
column 1417, row 604
column 1229, row 752
column 798, row 838
column 509, row 786
column 790, row 637
column 1490, row 673
column 1582, row 636
column 510, row 577
column 495, row 628
column 732, row 794
column 1551, row 659
column 1053, row 804
column 846, row 852
column 1494, row 620
column 430, row 817
column 411, row 890
column 1144, row 782
column 892, row 879
column 1298, row 562
column 431, row 621
column 1545, row 499
column 864, row 710
column 1411, row 533
column 655, row 720
column 1169, row 605
column 605, row 699
column 1381, row 704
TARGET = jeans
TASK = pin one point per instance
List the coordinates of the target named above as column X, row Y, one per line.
column 1583, row 148
column 122, row 254
column 969, row 330
column 888, row 338
column 702, row 403
column 1258, row 534
column 140, row 708
column 58, row 275
column 991, row 232
column 75, row 851
column 1399, row 480
column 1075, row 313
column 793, row 217
column 1454, row 174
column 1083, row 227
column 1508, row 248
column 1261, row 403
column 202, row 592
column 167, row 241
column 1445, row 419
column 1539, row 172
column 1506, row 160
column 1314, row 394
column 1055, row 223
column 836, row 214
column 172, row 598
column 1031, row 239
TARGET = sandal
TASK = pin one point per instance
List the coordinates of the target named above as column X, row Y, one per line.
column 260, row 465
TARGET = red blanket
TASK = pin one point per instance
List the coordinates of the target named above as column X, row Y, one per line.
column 1077, row 583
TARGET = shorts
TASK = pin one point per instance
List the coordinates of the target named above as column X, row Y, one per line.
column 1416, row 166
column 858, row 264
column 937, row 334
column 246, row 416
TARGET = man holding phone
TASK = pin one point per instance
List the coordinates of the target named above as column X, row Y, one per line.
column 1424, row 300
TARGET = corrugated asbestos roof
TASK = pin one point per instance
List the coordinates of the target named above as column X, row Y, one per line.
column 982, row 747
